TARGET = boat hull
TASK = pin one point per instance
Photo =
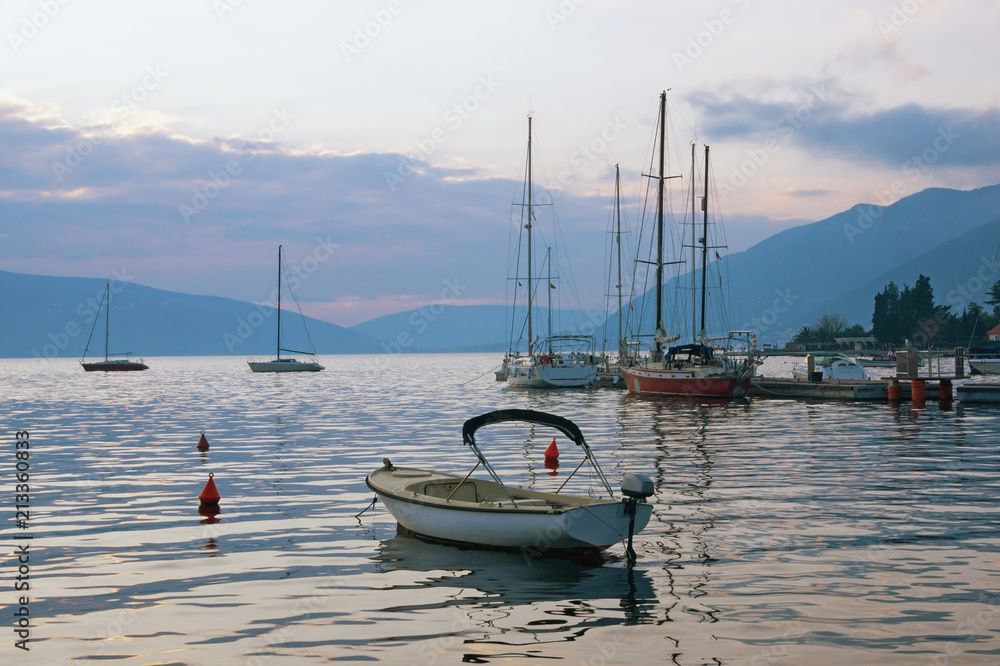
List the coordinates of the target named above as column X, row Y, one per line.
column 484, row 516
column 653, row 381
column 283, row 366
column 114, row 366
column 547, row 376
column 989, row 366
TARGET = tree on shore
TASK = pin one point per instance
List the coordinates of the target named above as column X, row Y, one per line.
column 804, row 336
column 827, row 329
column 911, row 314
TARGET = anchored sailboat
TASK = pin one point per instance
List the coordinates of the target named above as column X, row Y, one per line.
column 286, row 364
column 109, row 364
column 699, row 368
column 558, row 361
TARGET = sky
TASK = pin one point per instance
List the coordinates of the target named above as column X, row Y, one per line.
column 383, row 143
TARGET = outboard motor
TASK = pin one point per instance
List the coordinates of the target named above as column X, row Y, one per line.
column 636, row 488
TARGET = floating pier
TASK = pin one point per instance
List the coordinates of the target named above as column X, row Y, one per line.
column 917, row 389
column 979, row 393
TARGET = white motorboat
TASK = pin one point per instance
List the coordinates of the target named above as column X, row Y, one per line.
column 833, row 365
column 451, row 508
column 882, row 361
column 287, row 364
column 984, row 360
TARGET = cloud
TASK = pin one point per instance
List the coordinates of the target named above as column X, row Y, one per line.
column 821, row 119
column 207, row 216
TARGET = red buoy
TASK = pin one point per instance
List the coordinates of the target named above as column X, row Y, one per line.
column 552, row 452
column 209, row 494
column 203, row 443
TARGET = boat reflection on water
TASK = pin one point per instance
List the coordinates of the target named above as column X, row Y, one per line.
column 700, row 401
column 570, row 588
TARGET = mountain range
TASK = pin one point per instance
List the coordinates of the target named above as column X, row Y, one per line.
column 834, row 266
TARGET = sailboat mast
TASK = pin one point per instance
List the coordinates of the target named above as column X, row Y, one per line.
column 694, row 246
column 618, row 244
column 531, row 337
column 548, row 260
column 659, row 224
column 277, row 353
column 107, row 318
column 704, row 246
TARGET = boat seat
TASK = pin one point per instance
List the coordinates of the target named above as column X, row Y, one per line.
column 442, row 489
column 531, row 502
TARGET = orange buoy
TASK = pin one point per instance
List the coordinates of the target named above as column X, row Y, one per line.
column 918, row 391
column 203, row 443
column 944, row 390
column 552, row 452
column 209, row 494
column 895, row 390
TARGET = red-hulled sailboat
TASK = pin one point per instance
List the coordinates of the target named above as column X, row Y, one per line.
column 700, row 368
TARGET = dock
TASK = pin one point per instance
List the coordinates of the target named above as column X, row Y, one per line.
column 857, row 390
column 979, row 393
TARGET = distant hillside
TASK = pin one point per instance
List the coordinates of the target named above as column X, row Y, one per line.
column 960, row 270
column 53, row 316
column 837, row 265
column 469, row 328
column 833, row 266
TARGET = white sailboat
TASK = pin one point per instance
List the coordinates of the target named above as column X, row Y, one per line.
column 285, row 364
column 558, row 361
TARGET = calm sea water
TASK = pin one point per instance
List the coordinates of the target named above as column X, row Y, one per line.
column 783, row 531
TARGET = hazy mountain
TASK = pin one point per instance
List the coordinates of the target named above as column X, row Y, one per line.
column 468, row 328
column 53, row 316
column 837, row 265
column 832, row 266
column 960, row 271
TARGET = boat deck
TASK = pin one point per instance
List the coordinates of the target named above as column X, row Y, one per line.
column 439, row 488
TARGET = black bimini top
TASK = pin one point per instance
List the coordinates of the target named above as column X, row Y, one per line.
column 695, row 349
column 566, row 426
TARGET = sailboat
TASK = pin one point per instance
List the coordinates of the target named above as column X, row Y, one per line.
column 558, row 361
column 109, row 364
column 286, row 364
column 699, row 368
